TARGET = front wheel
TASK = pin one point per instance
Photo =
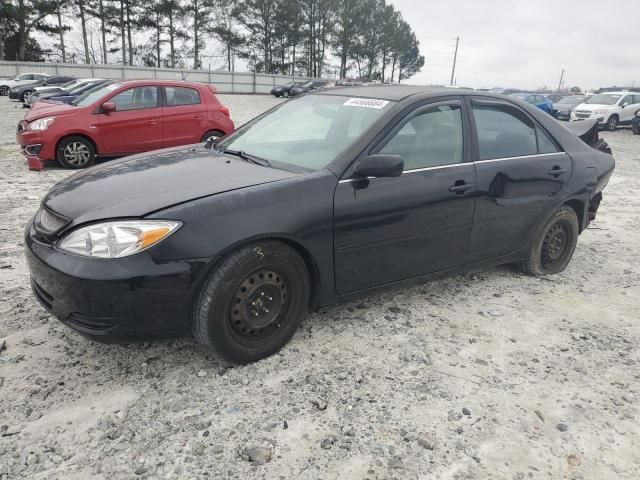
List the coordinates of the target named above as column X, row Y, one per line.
column 26, row 96
column 554, row 244
column 4, row 90
column 252, row 303
column 75, row 152
column 285, row 94
column 612, row 123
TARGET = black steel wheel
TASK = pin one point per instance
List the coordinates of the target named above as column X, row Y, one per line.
column 252, row 302
column 554, row 244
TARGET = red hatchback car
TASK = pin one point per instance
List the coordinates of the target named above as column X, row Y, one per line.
column 121, row 118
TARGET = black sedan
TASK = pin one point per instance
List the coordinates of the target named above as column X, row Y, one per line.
column 307, row 87
column 635, row 123
column 317, row 201
column 284, row 90
column 23, row 92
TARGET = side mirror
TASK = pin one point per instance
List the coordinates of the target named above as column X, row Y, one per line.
column 624, row 104
column 108, row 107
column 380, row 165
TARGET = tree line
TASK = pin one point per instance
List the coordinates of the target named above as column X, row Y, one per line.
column 351, row 38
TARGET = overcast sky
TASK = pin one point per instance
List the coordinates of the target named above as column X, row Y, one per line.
column 526, row 44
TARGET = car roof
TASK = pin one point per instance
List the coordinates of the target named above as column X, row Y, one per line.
column 615, row 93
column 158, row 82
column 389, row 92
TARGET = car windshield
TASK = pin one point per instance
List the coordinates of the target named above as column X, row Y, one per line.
column 309, row 133
column 603, row 99
column 573, row 99
column 90, row 96
column 70, row 84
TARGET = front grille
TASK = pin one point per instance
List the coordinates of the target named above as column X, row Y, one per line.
column 583, row 114
column 48, row 223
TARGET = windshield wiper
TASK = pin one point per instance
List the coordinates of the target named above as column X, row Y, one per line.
column 248, row 157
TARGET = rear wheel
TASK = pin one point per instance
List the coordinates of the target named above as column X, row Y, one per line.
column 212, row 135
column 75, row 152
column 252, row 303
column 612, row 123
column 554, row 244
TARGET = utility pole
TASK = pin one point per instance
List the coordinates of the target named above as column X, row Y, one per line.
column 561, row 78
column 455, row 56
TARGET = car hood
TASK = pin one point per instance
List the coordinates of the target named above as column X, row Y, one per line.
column 48, row 88
column 141, row 184
column 47, row 109
column 14, row 83
column 591, row 107
column 563, row 107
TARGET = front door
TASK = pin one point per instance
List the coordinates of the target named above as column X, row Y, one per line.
column 521, row 172
column 390, row 229
column 135, row 126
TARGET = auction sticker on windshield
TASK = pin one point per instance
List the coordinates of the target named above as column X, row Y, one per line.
column 366, row 103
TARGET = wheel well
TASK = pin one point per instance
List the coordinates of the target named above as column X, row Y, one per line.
column 86, row 137
column 312, row 268
column 578, row 207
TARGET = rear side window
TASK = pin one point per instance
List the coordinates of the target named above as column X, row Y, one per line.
column 505, row 131
column 182, row 96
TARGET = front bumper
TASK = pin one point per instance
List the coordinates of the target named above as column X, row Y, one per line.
column 28, row 140
column 128, row 298
column 13, row 95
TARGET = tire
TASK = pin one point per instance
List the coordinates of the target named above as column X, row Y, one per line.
column 211, row 134
column 612, row 123
column 4, row 90
column 75, row 152
column 25, row 95
column 267, row 279
column 636, row 128
column 554, row 244
column 285, row 94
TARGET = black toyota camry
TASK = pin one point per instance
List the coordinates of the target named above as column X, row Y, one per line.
column 317, row 201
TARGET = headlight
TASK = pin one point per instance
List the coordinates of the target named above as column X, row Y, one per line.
column 41, row 124
column 118, row 238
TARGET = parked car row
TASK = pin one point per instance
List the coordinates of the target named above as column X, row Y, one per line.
column 19, row 80
column 292, row 89
column 112, row 118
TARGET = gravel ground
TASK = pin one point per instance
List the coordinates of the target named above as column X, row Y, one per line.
column 485, row 375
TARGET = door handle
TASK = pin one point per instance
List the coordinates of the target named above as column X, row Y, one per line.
column 460, row 187
column 153, row 122
column 556, row 171
column 197, row 115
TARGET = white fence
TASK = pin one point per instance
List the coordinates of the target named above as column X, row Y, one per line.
column 225, row 82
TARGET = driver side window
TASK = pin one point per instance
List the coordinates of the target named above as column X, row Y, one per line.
column 431, row 138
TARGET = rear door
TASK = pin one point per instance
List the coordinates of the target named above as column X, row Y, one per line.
column 135, row 126
column 627, row 112
column 521, row 172
column 390, row 229
column 185, row 116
